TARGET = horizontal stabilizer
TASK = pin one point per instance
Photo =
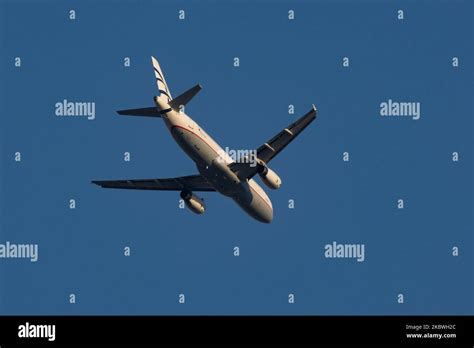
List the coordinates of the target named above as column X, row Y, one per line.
column 149, row 112
column 185, row 98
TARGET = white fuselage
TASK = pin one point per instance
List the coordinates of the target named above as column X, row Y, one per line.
column 212, row 163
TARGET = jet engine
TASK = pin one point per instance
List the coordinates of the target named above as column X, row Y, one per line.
column 269, row 177
column 193, row 202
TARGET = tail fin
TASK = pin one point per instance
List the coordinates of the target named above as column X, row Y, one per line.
column 164, row 102
column 160, row 79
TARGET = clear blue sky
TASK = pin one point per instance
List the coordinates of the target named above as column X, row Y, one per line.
column 282, row 62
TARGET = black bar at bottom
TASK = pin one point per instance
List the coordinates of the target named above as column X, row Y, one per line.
column 133, row 330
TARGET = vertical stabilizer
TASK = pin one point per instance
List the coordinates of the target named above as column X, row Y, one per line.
column 160, row 79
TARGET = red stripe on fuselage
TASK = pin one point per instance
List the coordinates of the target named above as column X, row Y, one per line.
column 190, row 131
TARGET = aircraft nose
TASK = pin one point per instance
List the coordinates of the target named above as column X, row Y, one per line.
column 266, row 216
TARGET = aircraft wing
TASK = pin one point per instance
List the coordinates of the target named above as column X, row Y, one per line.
column 271, row 148
column 191, row 183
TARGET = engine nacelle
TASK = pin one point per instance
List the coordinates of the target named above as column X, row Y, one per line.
column 270, row 178
column 193, row 202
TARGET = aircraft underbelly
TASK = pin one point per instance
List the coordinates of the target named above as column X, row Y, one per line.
column 244, row 193
column 195, row 147
column 248, row 195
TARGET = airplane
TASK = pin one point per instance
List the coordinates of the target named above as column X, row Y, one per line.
column 217, row 172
